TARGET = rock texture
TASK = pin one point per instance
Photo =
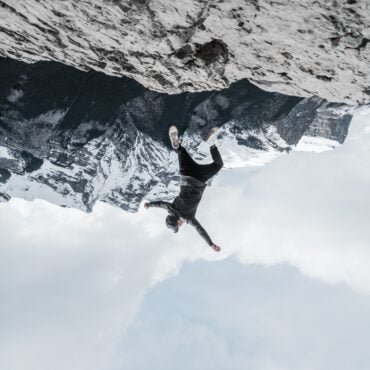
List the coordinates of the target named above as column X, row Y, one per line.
column 74, row 138
column 302, row 48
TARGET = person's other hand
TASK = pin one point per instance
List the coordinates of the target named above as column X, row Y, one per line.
column 146, row 205
column 215, row 247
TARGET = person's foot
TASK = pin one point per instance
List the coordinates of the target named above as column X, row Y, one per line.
column 174, row 137
column 211, row 137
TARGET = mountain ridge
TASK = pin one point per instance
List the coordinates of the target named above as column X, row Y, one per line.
column 74, row 138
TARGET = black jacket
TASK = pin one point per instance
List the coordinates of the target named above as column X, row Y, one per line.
column 185, row 205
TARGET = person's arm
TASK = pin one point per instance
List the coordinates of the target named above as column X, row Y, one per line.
column 158, row 203
column 203, row 233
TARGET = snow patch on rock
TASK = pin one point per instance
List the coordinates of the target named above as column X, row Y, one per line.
column 315, row 144
column 14, row 95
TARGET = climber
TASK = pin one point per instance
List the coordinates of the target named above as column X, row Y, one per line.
column 193, row 182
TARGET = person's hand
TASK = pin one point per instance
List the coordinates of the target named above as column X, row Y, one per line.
column 146, row 205
column 215, row 247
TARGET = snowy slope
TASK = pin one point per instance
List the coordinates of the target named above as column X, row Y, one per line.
column 85, row 137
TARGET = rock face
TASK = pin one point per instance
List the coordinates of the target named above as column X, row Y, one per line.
column 73, row 137
column 301, row 48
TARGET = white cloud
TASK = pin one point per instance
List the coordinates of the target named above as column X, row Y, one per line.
column 71, row 282
column 225, row 316
column 309, row 210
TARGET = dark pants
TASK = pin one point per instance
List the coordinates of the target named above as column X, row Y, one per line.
column 202, row 172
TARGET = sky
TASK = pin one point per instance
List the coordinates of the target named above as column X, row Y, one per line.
column 112, row 290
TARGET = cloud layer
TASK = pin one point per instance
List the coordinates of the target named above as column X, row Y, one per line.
column 226, row 316
column 309, row 210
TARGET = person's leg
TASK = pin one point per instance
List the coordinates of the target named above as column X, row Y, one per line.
column 188, row 167
column 216, row 156
column 207, row 171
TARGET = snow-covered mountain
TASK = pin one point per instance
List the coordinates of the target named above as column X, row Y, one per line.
column 73, row 137
column 301, row 48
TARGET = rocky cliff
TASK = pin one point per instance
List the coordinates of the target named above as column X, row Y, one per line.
column 74, row 138
column 301, row 48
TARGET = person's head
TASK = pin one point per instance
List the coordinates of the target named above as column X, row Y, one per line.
column 172, row 222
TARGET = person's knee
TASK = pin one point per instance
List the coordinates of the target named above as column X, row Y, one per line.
column 217, row 159
column 219, row 163
column 217, row 167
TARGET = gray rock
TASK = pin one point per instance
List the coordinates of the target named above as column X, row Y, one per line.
column 300, row 48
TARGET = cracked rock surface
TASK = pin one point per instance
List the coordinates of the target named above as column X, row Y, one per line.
column 301, row 48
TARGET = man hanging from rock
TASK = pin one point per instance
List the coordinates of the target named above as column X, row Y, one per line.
column 193, row 183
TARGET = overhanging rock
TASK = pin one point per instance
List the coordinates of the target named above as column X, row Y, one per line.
column 301, row 48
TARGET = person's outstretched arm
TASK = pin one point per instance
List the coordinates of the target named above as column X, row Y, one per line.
column 203, row 233
column 158, row 203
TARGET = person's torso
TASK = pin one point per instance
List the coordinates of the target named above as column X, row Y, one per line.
column 191, row 192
